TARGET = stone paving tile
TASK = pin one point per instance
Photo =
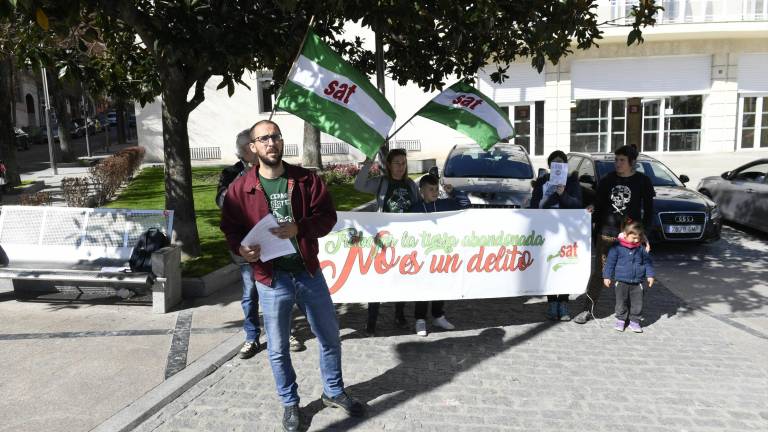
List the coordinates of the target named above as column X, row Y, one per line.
column 506, row 368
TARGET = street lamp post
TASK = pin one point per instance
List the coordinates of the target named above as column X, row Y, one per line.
column 48, row 121
column 85, row 111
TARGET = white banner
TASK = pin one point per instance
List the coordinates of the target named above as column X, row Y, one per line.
column 476, row 253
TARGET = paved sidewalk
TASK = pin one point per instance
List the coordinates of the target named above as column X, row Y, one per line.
column 506, row 368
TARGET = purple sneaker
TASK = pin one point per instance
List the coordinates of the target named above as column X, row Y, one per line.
column 619, row 326
column 635, row 327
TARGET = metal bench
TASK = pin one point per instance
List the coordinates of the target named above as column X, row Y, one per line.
column 75, row 244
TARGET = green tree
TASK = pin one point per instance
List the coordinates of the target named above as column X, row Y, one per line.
column 191, row 41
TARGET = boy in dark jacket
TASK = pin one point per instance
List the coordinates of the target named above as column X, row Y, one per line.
column 429, row 203
column 628, row 263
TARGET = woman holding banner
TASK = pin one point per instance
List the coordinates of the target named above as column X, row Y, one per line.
column 395, row 193
column 547, row 195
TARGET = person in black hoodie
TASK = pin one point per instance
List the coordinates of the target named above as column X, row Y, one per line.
column 548, row 196
column 622, row 197
column 429, row 190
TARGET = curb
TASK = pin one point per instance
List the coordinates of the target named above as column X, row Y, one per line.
column 154, row 400
column 210, row 283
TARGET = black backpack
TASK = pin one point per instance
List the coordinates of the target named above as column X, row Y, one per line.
column 149, row 241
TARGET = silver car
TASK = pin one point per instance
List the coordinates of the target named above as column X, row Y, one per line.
column 741, row 194
column 497, row 178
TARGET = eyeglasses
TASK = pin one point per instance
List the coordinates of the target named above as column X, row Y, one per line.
column 264, row 139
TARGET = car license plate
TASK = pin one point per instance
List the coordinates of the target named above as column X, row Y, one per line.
column 683, row 229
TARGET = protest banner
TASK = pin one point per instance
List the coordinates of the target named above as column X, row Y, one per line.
column 476, row 253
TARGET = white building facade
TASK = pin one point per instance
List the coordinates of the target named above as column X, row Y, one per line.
column 697, row 88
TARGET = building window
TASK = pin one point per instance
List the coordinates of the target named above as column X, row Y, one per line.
column 672, row 124
column 266, row 95
column 527, row 119
column 753, row 122
column 598, row 125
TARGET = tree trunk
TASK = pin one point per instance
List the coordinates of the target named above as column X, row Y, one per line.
column 121, row 123
column 178, row 167
column 312, row 156
column 7, row 137
column 63, row 118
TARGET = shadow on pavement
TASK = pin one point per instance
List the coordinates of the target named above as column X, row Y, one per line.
column 416, row 373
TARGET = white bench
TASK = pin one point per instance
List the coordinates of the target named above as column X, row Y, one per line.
column 75, row 244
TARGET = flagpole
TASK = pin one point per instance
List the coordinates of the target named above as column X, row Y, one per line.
column 403, row 125
column 293, row 65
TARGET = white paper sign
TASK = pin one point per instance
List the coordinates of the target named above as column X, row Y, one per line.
column 558, row 173
column 271, row 246
column 475, row 253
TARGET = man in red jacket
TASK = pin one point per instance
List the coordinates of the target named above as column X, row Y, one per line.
column 299, row 201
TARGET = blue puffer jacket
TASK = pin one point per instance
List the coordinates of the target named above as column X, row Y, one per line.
column 628, row 265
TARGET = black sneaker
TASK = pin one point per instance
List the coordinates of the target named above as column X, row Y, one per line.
column 583, row 317
column 249, row 349
column 352, row 407
column 295, row 344
column 291, row 418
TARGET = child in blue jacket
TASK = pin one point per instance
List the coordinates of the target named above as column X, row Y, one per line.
column 429, row 190
column 628, row 263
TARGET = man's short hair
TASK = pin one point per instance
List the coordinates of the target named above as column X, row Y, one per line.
column 557, row 154
column 242, row 143
column 428, row 179
column 628, row 151
column 260, row 122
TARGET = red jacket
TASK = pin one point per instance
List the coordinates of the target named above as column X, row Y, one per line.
column 313, row 212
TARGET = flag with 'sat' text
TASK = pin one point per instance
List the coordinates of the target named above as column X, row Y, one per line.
column 330, row 94
column 466, row 109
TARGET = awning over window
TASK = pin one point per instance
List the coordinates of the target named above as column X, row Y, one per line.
column 753, row 76
column 525, row 84
column 640, row 77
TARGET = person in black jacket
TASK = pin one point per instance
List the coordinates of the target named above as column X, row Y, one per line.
column 623, row 196
column 250, row 300
column 548, row 196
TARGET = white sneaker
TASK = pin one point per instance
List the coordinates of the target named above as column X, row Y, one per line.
column 421, row 327
column 443, row 323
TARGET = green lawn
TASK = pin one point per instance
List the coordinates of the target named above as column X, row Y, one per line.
column 146, row 191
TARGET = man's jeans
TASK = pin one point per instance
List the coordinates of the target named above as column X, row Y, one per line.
column 250, row 303
column 311, row 294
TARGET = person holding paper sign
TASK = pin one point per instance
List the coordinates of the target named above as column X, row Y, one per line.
column 557, row 191
column 299, row 201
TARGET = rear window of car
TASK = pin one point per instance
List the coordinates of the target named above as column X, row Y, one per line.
column 497, row 162
column 659, row 174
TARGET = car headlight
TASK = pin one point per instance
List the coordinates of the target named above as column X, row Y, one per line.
column 715, row 213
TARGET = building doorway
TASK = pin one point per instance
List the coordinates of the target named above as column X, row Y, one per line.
column 31, row 117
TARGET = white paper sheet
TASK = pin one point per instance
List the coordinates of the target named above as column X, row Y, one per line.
column 558, row 173
column 271, row 246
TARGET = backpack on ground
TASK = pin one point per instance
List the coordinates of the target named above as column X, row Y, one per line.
column 149, row 241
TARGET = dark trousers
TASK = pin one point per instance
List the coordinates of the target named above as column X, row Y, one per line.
column 420, row 309
column 602, row 245
column 562, row 298
column 373, row 312
column 632, row 294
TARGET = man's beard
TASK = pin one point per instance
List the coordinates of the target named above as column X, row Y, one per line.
column 269, row 163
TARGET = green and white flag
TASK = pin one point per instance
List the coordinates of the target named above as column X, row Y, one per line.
column 464, row 108
column 327, row 92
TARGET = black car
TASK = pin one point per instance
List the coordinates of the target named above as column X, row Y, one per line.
column 741, row 194
column 682, row 214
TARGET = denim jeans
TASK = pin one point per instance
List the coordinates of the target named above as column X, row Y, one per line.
column 311, row 294
column 250, row 303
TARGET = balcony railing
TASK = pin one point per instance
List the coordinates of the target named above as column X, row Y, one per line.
column 688, row 11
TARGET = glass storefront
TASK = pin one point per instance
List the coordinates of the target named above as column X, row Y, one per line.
column 753, row 122
column 598, row 125
column 668, row 124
